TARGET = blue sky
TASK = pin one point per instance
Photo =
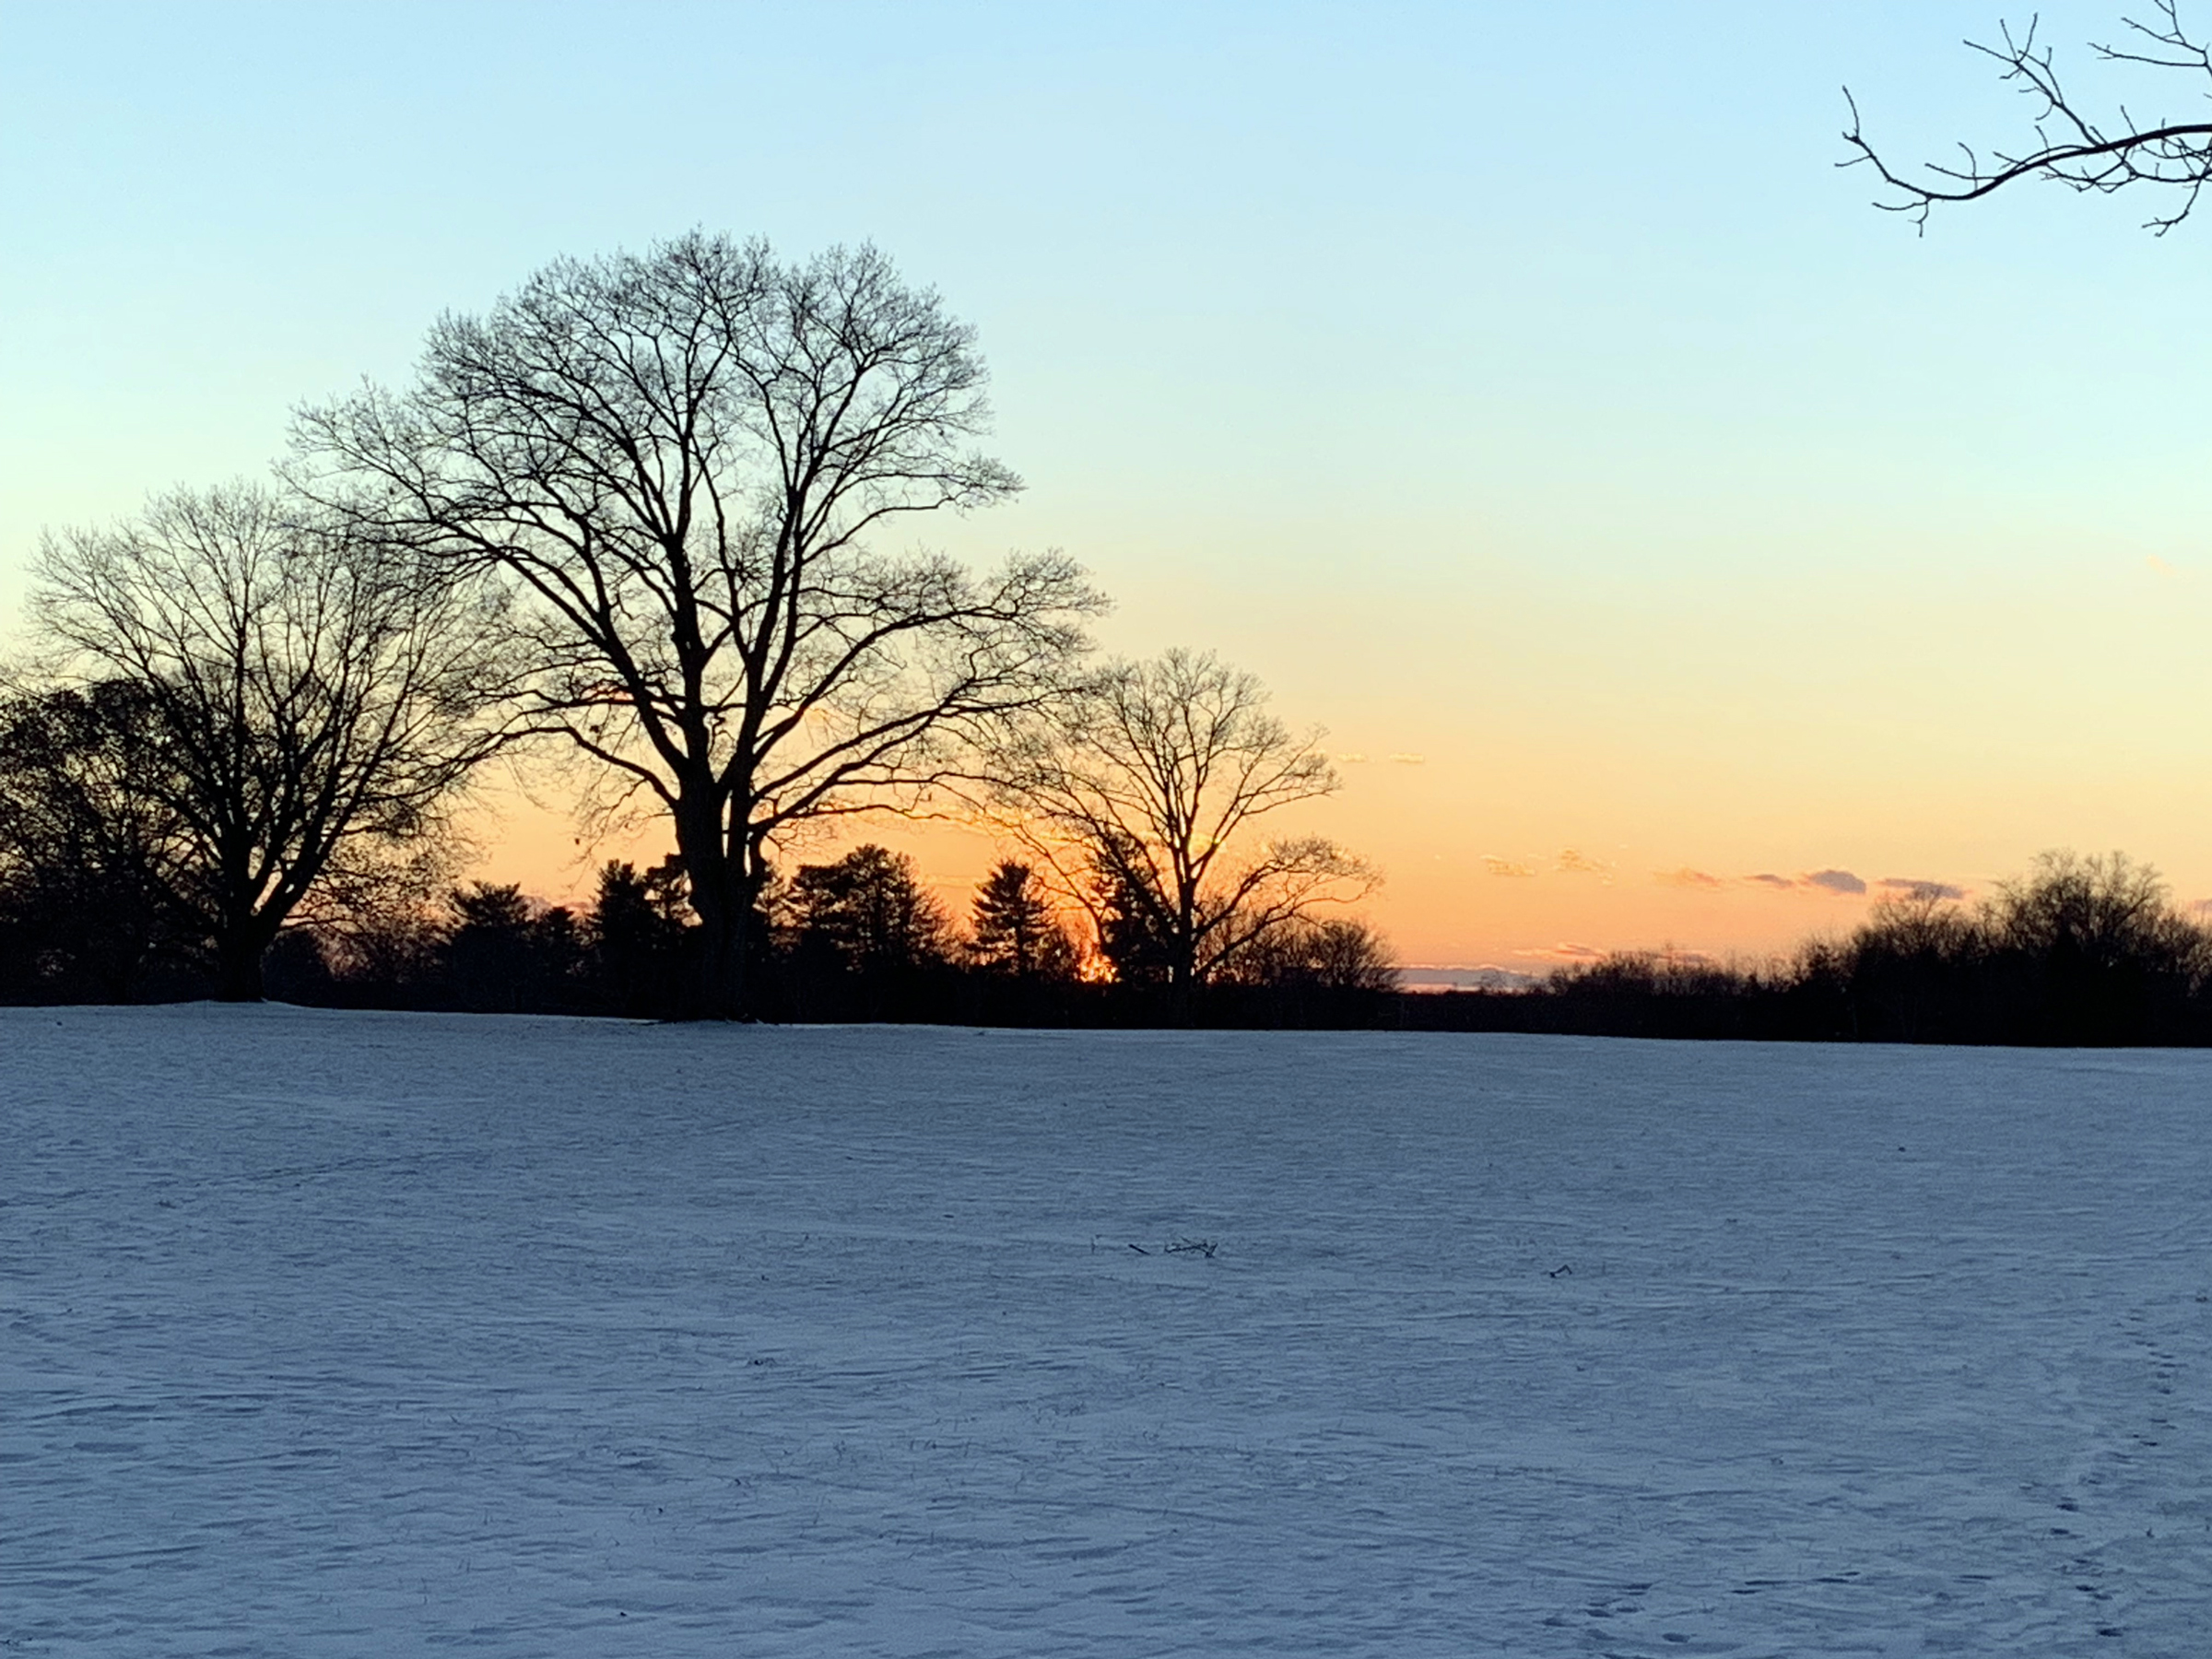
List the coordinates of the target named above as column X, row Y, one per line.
column 1520, row 386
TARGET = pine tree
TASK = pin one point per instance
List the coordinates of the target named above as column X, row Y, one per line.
column 870, row 911
column 1014, row 930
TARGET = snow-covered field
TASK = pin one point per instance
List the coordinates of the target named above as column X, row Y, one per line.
column 375, row 1333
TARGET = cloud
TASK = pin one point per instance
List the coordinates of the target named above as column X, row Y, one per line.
column 1581, row 863
column 1820, row 881
column 2159, row 566
column 1571, row 953
column 1506, row 866
column 1409, row 760
column 1688, row 878
column 1352, row 759
column 1914, row 888
column 1836, row 882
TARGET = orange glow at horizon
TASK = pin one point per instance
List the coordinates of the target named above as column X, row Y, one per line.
column 1526, row 912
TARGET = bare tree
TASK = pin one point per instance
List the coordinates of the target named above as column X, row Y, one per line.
column 1340, row 954
column 2071, row 145
column 682, row 456
column 1141, row 793
column 314, row 698
column 2095, row 911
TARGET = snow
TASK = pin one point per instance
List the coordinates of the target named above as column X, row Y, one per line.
column 351, row 1334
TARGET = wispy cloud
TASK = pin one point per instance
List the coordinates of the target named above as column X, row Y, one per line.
column 2158, row 567
column 1836, row 882
column 1576, row 863
column 1409, row 760
column 1351, row 759
column 1817, row 881
column 1506, row 866
column 1914, row 888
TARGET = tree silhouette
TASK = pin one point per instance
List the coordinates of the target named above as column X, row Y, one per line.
column 2095, row 948
column 636, row 934
column 1915, row 967
column 2071, row 145
column 869, row 912
column 681, row 459
column 1141, row 794
column 312, row 698
column 1013, row 929
column 1340, row 954
column 507, row 954
column 92, row 856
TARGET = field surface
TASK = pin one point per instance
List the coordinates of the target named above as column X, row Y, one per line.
column 328, row 1333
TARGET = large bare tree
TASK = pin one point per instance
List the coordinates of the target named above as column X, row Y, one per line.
column 313, row 700
column 1142, row 794
column 687, row 458
column 2071, row 144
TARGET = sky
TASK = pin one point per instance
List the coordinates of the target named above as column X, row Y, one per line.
column 1674, row 549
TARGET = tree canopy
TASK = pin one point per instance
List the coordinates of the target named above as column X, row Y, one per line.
column 688, row 460
column 302, row 700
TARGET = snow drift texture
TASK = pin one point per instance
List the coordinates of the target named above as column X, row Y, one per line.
column 356, row 1333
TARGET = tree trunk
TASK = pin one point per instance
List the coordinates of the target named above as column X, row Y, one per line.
column 1182, row 967
column 718, row 899
column 238, row 957
column 717, row 989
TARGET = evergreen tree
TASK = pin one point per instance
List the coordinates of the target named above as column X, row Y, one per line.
column 637, row 934
column 1013, row 930
column 489, row 955
column 870, row 911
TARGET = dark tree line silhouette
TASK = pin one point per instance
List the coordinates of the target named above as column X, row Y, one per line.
column 112, row 890
column 856, row 938
column 2080, row 951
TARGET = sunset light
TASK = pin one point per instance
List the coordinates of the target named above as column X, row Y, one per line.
column 1651, row 500
column 905, row 828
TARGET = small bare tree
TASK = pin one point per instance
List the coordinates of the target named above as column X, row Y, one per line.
column 681, row 457
column 1140, row 793
column 312, row 698
column 1340, row 954
column 2071, row 145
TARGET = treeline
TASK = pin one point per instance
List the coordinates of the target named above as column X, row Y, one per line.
column 856, row 939
column 2082, row 951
